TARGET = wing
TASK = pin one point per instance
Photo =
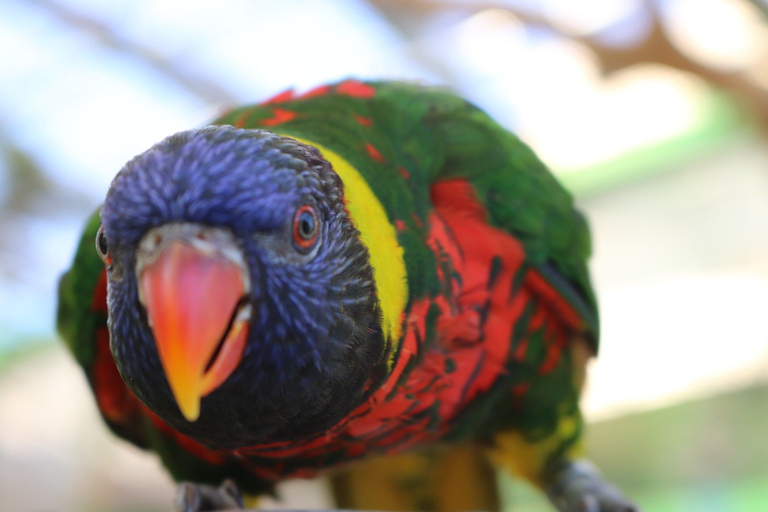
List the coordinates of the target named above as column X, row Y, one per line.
column 404, row 137
column 519, row 193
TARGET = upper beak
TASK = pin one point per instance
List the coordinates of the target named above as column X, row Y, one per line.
column 193, row 289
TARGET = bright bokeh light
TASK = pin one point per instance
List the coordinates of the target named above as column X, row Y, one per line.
column 679, row 338
column 679, row 268
column 488, row 38
column 634, row 108
column 520, row 79
column 727, row 34
column 584, row 17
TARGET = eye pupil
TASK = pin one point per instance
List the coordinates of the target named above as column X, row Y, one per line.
column 306, row 225
column 101, row 245
column 101, row 240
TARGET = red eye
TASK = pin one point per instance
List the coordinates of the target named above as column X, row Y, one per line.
column 305, row 227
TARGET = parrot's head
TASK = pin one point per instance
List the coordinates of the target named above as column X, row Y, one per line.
column 242, row 302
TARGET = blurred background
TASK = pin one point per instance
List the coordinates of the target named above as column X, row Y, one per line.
column 653, row 112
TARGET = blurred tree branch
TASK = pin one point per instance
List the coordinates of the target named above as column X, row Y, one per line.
column 199, row 85
column 29, row 190
column 761, row 5
column 29, row 194
column 655, row 48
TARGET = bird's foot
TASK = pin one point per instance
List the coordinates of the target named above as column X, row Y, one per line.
column 192, row 497
column 577, row 486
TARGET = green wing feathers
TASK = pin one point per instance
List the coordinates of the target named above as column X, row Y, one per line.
column 430, row 134
column 520, row 194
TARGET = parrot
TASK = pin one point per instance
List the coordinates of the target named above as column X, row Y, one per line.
column 371, row 280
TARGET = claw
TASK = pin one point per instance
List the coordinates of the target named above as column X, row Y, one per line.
column 579, row 487
column 229, row 487
column 589, row 504
column 192, row 497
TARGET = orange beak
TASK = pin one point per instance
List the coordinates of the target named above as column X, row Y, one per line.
column 191, row 298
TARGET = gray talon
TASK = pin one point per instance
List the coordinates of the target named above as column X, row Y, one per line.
column 230, row 489
column 187, row 498
column 192, row 497
column 579, row 487
column 589, row 504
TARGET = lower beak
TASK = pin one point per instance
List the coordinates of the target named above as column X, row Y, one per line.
column 193, row 303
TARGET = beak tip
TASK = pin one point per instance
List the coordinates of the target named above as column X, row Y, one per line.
column 190, row 411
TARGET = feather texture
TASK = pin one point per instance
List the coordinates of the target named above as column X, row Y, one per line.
column 479, row 269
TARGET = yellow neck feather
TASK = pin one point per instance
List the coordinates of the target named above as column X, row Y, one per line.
column 378, row 234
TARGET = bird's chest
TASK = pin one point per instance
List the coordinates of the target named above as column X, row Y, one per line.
column 455, row 346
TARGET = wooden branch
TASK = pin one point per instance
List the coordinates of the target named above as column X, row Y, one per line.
column 760, row 5
column 656, row 48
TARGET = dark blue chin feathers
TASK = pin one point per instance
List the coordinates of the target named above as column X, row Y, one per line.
column 315, row 347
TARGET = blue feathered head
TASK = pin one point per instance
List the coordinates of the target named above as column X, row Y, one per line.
column 242, row 304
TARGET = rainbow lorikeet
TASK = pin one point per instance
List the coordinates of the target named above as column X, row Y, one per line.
column 372, row 279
